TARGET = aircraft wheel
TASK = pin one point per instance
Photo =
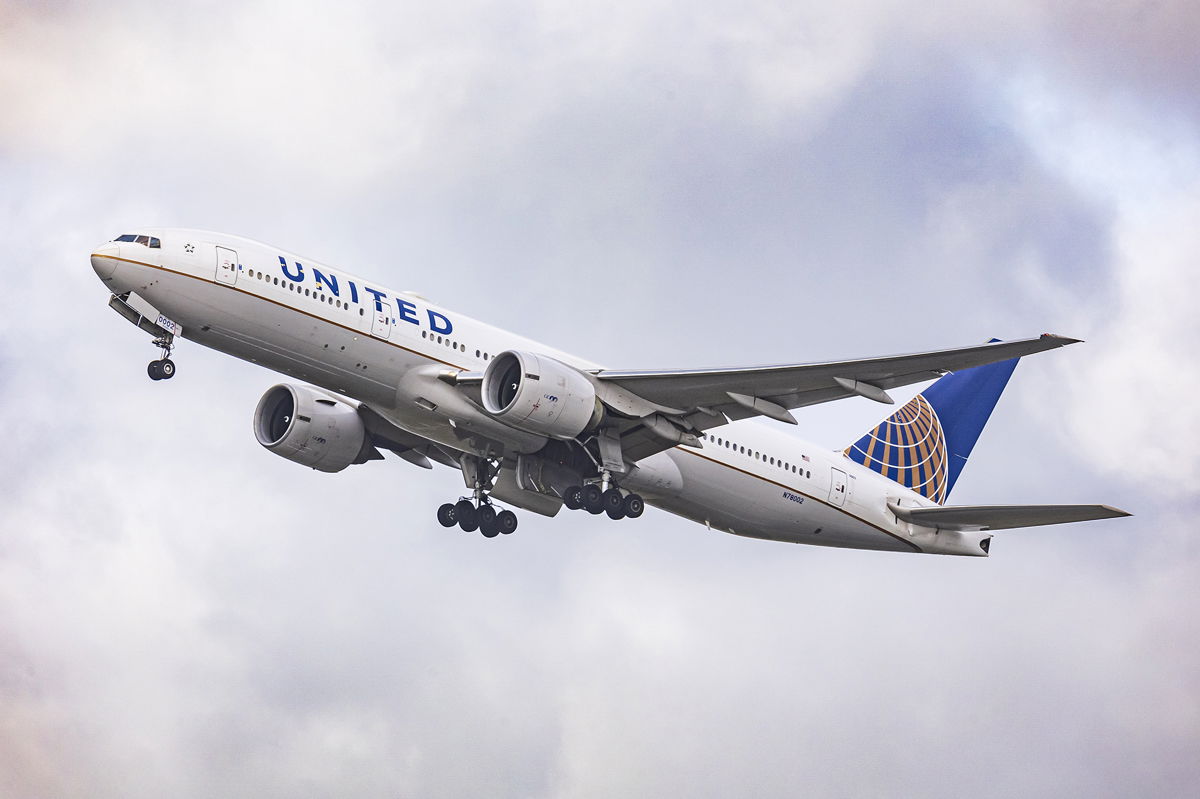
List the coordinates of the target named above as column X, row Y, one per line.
column 153, row 370
column 487, row 515
column 468, row 517
column 634, row 506
column 612, row 502
column 490, row 528
column 507, row 521
column 166, row 368
column 593, row 498
column 573, row 498
column 445, row 515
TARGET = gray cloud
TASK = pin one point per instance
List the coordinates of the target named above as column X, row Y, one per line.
column 182, row 613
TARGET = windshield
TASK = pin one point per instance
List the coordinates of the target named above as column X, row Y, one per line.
column 135, row 238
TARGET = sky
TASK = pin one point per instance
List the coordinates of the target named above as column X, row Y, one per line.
column 660, row 184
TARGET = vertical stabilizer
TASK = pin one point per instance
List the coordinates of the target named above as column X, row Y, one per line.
column 925, row 444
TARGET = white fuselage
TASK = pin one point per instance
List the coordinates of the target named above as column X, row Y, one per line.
column 324, row 326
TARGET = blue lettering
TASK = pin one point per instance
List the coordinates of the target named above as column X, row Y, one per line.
column 353, row 291
column 299, row 276
column 439, row 323
column 330, row 281
column 378, row 295
column 407, row 311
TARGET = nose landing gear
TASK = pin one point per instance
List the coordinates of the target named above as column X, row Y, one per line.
column 164, row 367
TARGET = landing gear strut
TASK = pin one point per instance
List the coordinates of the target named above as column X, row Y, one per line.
column 478, row 512
column 485, row 518
column 611, row 501
column 164, row 367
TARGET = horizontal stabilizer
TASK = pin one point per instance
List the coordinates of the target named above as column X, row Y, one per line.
column 1002, row 517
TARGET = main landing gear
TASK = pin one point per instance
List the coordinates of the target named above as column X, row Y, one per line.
column 164, row 367
column 478, row 513
column 483, row 518
column 611, row 501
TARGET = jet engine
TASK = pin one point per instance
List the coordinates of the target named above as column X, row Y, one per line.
column 539, row 394
column 311, row 428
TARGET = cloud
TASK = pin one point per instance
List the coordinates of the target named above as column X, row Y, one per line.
column 181, row 612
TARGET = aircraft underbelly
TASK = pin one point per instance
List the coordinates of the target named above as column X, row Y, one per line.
column 733, row 501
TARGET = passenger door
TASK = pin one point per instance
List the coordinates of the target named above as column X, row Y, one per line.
column 227, row 266
column 381, row 323
column 837, row 488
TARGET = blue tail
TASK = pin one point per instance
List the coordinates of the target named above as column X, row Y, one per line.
column 925, row 444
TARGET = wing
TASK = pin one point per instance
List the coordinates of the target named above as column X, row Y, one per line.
column 409, row 446
column 1003, row 517
column 662, row 408
column 794, row 386
column 694, row 400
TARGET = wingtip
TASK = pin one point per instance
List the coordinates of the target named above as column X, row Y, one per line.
column 1117, row 513
column 1062, row 340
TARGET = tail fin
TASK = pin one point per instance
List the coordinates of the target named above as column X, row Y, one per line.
column 925, row 444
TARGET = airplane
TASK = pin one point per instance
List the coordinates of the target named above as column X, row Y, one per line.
column 538, row 429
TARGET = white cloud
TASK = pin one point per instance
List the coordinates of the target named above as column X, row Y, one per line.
column 1126, row 393
column 743, row 183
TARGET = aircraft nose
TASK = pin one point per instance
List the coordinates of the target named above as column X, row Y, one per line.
column 104, row 259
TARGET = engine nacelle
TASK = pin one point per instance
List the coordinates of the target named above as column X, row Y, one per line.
column 309, row 427
column 539, row 394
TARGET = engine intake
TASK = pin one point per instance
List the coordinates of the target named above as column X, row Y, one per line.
column 539, row 394
column 311, row 428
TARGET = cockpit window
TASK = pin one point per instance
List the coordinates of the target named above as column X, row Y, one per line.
column 149, row 241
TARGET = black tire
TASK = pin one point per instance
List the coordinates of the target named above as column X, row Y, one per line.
column 593, row 498
column 468, row 517
column 166, row 368
column 634, row 506
column 490, row 528
column 613, row 502
column 487, row 515
column 445, row 515
column 507, row 522
column 616, row 513
column 573, row 498
column 152, row 370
